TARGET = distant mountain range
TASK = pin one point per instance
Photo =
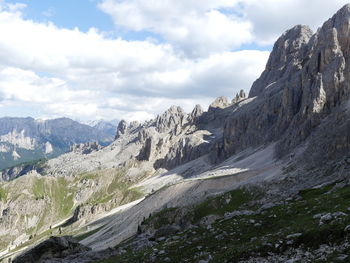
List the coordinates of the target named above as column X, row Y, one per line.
column 105, row 126
column 27, row 139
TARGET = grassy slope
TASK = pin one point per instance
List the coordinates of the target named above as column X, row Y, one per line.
column 238, row 238
column 58, row 194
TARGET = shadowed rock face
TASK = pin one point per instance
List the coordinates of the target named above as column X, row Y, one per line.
column 307, row 78
column 288, row 51
column 121, row 129
column 55, row 247
column 196, row 112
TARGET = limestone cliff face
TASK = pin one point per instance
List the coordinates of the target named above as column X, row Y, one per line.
column 306, row 79
column 173, row 138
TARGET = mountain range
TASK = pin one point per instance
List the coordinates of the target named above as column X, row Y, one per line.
column 27, row 139
column 259, row 178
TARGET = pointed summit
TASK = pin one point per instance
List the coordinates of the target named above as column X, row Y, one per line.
column 220, row 102
column 175, row 115
column 196, row 112
column 344, row 11
column 289, row 49
column 340, row 21
column 239, row 97
column 288, row 46
column 336, row 31
column 121, row 129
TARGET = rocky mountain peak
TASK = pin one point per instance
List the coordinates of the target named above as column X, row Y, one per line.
column 239, row 97
column 335, row 32
column 304, row 81
column 121, row 128
column 289, row 47
column 285, row 57
column 174, row 116
column 125, row 127
column 220, row 102
column 196, row 112
column 343, row 13
column 134, row 125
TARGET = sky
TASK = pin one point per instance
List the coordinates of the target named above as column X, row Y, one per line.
column 133, row 59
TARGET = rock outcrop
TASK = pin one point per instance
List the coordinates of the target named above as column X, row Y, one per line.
column 86, row 148
column 286, row 57
column 175, row 137
column 55, row 247
column 121, row 129
column 20, row 170
column 239, row 97
column 147, row 140
column 171, row 119
column 220, row 102
column 124, row 128
column 305, row 80
column 195, row 114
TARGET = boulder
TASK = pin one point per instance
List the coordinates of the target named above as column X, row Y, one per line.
column 54, row 247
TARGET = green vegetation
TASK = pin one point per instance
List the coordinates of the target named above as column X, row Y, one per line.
column 159, row 219
column 277, row 230
column 219, row 205
column 3, row 194
column 58, row 192
column 53, row 198
column 39, row 189
column 28, row 158
column 62, row 197
column 39, row 163
column 118, row 186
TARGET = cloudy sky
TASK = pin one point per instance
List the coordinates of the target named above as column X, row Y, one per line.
column 132, row 59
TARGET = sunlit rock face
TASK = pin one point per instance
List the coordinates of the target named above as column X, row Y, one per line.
column 305, row 81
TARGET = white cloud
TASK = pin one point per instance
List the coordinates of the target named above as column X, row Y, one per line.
column 270, row 18
column 88, row 75
column 51, row 71
column 26, row 86
column 196, row 27
column 200, row 28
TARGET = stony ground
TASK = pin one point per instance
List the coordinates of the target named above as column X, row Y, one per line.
column 312, row 226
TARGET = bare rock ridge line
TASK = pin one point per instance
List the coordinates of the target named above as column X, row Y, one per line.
column 306, row 77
